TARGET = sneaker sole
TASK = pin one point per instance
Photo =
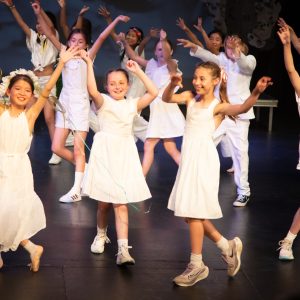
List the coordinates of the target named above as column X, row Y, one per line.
column 239, row 204
column 97, row 252
column 204, row 274
column 286, row 258
column 239, row 249
column 67, row 201
column 126, row 263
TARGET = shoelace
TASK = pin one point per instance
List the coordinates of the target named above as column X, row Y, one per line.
column 285, row 244
column 125, row 248
column 100, row 237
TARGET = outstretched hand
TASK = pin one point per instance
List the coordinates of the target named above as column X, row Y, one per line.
column 123, row 18
column 104, row 12
column 83, row 10
column 66, row 55
column 7, row 2
column 176, row 80
column 284, row 34
column 181, row 24
column 186, row 43
column 85, row 56
column 263, row 83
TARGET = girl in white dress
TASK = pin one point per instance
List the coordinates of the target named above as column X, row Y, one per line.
column 166, row 121
column 21, row 210
column 195, row 192
column 74, row 100
column 115, row 173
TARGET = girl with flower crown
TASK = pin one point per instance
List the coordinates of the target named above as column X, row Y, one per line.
column 74, row 101
column 43, row 58
column 21, row 210
column 136, row 40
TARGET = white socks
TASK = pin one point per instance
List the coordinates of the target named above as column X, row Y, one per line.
column 290, row 236
column 30, row 247
column 196, row 259
column 223, row 245
column 77, row 182
column 122, row 243
column 101, row 231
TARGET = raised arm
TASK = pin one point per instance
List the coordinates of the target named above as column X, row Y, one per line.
column 236, row 109
column 63, row 18
column 285, row 37
column 153, row 33
column 151, row 89
column 37, row 107
column 17, row 16
column 91, row 80
column 181, row 24
column 104, row 34
column 167, row 52
column 294, row 38
column 51, row 35
column 169, row 92
column 105, row 13
column 79, row 21
column 131, row 53
column 206, row 38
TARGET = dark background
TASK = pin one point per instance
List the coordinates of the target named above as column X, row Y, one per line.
column 255, row 21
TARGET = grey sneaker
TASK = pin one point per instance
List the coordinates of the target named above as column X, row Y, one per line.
column 191, row 275
column 98, row 244
column 233, row 259
column 241, row 201
column 286, row 252
column 123, row 257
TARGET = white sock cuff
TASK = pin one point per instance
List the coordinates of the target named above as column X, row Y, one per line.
column 122, row 242
column 223, row 245
column 290, row 236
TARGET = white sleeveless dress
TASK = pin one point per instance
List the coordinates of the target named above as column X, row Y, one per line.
column 166, row 119
column 195, row 192
column 21, row 210
column 114, row 172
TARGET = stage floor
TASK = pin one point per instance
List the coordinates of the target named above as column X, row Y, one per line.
column 161, row 241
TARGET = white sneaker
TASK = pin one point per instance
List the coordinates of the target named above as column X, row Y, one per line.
column 286, row 252
column 54, row 160
column 98, row 244
column 70, row 197
column 191, row 275
column 70, row 140
column 123, row 256
column 298, row 166
column 233, row 259
column 230, row 170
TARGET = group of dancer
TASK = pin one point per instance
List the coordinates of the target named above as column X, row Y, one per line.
column 114, row 175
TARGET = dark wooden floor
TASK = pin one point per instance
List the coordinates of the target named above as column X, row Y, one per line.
column 161, row 241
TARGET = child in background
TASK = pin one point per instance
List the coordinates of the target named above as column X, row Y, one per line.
column 22, row 213
column 74, row 99
column 284, row 33
column 115, row 173
column 195, row 193
column 43, row 58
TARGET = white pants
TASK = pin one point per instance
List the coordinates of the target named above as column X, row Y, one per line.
column 237, row 137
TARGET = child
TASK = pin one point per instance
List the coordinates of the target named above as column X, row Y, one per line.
column 22, row 213
column 43, row 58
column 239, row 67
column 159, row 70
column 136, row 40
column 75, row 101
column 286, row 252
column 115, row 174
column 195, row 192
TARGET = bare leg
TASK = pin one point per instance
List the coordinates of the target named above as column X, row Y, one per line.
column 58, row 144
column 196, row 235
column 35, row 252
column 102, row 214
column 172, row 150
column 211, row 232
column 148, row 158
column 121, row 219
column 295, row 227
column 79, row 150
column 49, row 115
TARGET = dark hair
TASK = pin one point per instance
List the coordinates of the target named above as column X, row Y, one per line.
column 219, row 32
column 87, row 28
column 116, row 70
column 21, row 77
column 168, row 41
column 77, row 30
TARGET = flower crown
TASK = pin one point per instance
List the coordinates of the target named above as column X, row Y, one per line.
column 6, row 81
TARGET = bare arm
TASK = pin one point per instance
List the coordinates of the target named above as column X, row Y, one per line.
column 236, row 109
column 91, row 81
column 17, row 16
column 200, row 28
column 151, row 89
column 181, row 24
column 131, row 53
column 105, row 13
column 79, row 22
column 294, row 38
column 104, row 34
column 153, row 33
column 169, row 92
column 63, row 18
column 171, row 63
column 284, row 35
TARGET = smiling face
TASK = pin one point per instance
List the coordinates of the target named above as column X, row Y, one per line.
column 117, row 84
column 20, row 92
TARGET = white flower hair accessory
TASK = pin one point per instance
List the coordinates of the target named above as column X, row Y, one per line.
column 6, row 81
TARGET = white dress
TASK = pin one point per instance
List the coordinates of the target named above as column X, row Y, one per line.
column 21, row 210
column 114, row 171
column 195, row 192
column 166, row 119
column 74, row 97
